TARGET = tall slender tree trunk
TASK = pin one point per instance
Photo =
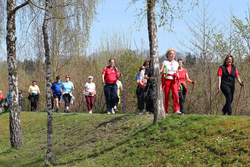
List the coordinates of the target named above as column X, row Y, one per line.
column 48, row 82
column 16, row 134
column 154, row 58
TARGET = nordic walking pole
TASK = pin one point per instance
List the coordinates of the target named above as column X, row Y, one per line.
column 124, row 103
column 190, row 97
column 238, row 101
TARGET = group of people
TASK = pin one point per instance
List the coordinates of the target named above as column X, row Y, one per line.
column 63, row 91
column 174, row 77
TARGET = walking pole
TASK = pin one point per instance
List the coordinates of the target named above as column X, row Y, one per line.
column 99, row 105
column 124, row 103
column 238, row 101
column 190, row 97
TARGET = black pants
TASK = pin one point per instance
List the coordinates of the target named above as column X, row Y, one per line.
column 141, row 97
column 228, row 91
column 182, row 97
column 66, row 98
column 33, row 101
column 149, row 100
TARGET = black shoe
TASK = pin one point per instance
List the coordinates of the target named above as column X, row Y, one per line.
column 57, row 110
column 66, row 111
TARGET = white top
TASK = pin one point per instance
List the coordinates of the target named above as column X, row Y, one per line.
column 142, row 76
column 89, row 87
column 172, row 67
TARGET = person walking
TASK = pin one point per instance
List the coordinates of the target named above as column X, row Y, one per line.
column 226, row 82
column 66, row 89
column 140, row 90
column 149, row 88
column 89, row 91
column 169, row 70
column 56, row 92
column 119, row 90
column 1, row 100
column 183, row 75
column 34, row 92
column 109, row 79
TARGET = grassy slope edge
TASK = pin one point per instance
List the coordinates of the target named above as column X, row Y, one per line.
column 129, row 140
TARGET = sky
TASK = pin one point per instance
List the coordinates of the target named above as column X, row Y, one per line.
column 116, row 22
column 115, row 18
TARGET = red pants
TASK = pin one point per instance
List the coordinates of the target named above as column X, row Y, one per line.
column 90, row 102
column 173, row 84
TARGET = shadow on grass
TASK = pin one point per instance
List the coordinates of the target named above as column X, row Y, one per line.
column 96, row 154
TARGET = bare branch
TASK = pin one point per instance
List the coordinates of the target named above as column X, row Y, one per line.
column 33, row 3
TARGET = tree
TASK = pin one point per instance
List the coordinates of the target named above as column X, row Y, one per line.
column 159, row 112
column 16, row 135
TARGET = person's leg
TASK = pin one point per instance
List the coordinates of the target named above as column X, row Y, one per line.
column 67, row 101
column 107, row 92
column 92, row 100
column 181, row 101
column 228, row 95
column 174, row 89
column 149, row 102
column 166, row 95
column 141, row 99
column 32, row 99
column 114, row 97
column 88, row 102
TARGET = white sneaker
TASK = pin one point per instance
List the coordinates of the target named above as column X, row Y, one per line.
column 177, row 113
column 115, row 108
column 90, row 112
column 108, row 113
column 113, row 112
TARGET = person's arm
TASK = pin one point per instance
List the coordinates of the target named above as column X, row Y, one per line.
column 38, row 90
column 121, row 87
column 219, row 83
column 161, row 70
column 61, row 89
column 84, row 90
column 103, row 80
column 72, row 88
column 189, row 80
column 239, row 80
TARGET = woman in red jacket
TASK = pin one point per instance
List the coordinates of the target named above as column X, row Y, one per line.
column 183, row 75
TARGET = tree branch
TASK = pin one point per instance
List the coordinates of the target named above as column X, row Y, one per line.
column 33, row 3
column 18, row 7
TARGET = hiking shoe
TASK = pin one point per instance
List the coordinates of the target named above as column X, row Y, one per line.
column 90, row 112
column 177, row 112
column 113, row 112
column 66, row 111
column 57, row 110
column 140, row 113
column 115, row 108
column 108, row 113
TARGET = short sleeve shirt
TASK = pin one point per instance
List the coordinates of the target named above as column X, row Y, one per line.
column 34, row 89
column 56, row 87
column 67, row 87
column 111, row 74
column 89, row 89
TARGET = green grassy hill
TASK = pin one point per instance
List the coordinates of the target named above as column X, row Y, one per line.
column 129, row 140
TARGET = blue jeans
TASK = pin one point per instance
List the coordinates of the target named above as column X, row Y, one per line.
column 110, row 91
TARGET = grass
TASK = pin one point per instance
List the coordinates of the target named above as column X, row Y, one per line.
column 129, row 140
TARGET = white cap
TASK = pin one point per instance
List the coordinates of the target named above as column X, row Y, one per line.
column 90, row 77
